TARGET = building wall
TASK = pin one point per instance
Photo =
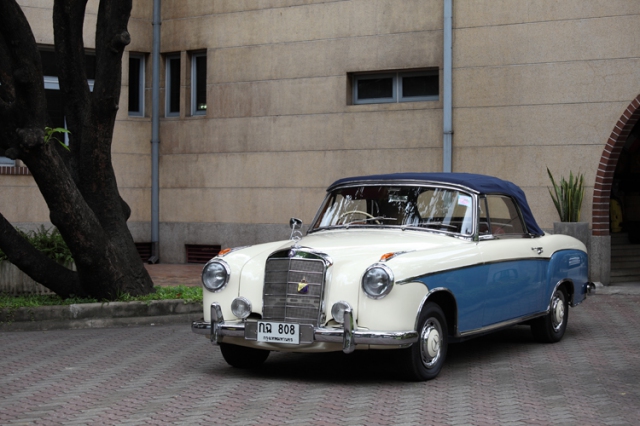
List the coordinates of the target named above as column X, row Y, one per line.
column 541, row 84
column 536, row 84
column 279, row 126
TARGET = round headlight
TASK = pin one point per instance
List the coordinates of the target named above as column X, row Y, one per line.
column 215, row 275
column 377, row 281
column 337, row 311
column 241, row 307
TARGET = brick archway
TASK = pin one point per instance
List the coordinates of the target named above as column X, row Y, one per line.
column 607, row 167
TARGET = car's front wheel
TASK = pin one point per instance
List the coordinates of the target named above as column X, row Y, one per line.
column 425, row 358
column 243, row 357
column 551, row 327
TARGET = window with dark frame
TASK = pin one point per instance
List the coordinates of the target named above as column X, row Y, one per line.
column 136, row 84
column 199, row 83
column 173, row 86
column 394, row 87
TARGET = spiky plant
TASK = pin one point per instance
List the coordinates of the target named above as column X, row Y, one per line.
column 567, row 196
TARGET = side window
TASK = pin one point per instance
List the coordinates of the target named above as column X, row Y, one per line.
column 172, row 86
column 199, row 84
column 504, row 216
column 483, row 218
column 136, row 84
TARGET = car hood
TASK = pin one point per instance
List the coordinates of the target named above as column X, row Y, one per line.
column 342, row 245
column 350, row 252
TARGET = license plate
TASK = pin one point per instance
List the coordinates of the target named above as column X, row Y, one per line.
column 278, row 332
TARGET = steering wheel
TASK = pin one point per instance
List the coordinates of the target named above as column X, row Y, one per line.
column 345, row 214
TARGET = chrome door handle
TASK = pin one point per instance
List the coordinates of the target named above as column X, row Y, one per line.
column 539, row 250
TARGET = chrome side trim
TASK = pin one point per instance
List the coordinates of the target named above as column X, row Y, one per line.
column 499, row 325
column 558, row 284
column 428, row 274
column 426, row 298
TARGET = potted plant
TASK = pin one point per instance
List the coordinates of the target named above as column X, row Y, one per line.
column 567, row 196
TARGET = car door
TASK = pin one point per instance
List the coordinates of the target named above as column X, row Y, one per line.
column 517, row 267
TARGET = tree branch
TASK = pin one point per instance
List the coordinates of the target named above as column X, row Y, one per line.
column 22, row 98
column 34, row 263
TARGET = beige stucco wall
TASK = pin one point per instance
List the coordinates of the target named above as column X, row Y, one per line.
column 536, row 84
column 541, row 84
column 279, row 126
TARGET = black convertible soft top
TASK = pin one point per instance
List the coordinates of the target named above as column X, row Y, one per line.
column 479, row 183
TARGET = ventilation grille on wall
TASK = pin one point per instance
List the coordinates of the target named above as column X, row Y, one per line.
column 144, row 250
column 201, row 253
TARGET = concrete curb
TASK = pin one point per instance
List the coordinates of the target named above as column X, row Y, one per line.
column 630, row 289
column 100, row 315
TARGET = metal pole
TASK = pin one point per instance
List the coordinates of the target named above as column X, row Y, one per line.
column 447, row 108
column 155, row 139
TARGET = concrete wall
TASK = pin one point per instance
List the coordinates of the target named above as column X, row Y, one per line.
column 541, row 84
column 536, row 84
column 279, row 126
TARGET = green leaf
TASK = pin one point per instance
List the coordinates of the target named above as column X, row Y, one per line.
column 567, row 196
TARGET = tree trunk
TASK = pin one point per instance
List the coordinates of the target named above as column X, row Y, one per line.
column 79, row 186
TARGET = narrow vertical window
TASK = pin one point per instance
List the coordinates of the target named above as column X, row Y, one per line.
column 173, row 86
column 199, row 84
column 136, row 85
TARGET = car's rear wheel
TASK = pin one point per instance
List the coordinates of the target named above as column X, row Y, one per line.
column 551, row 327
column 243, row 357
column 425, row 358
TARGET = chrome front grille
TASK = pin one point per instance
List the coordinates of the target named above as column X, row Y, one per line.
column 293, row 289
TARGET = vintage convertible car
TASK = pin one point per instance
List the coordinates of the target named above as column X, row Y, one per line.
column 410, row 262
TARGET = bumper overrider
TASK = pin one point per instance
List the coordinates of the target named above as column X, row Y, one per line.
column 348, row 335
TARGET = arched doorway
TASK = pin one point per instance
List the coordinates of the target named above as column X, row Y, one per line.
column 606, row 181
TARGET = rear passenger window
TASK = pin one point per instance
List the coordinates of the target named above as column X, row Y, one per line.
column 504, row 216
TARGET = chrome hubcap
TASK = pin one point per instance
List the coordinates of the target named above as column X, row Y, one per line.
column 430, row 342
column 557, row 310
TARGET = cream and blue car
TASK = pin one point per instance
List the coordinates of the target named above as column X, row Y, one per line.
column 409, row 262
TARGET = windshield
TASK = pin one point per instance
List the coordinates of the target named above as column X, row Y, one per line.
column 424, row 207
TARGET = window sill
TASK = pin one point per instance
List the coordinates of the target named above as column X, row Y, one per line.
column 395, row 106
column 14, row 170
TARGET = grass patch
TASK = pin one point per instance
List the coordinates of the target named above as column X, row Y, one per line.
column 188, row 294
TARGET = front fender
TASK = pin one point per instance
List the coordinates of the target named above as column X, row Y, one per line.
column 397, row 311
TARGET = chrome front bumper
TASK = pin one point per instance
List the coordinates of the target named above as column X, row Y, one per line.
column 348, row 335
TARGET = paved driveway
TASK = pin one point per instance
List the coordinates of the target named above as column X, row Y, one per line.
column 164, row 375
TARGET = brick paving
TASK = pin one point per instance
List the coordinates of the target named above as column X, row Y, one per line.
column 164, row 274
column 168, row 375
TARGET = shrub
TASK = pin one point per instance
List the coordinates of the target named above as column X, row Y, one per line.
column 567, row 197
column 48, row 241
